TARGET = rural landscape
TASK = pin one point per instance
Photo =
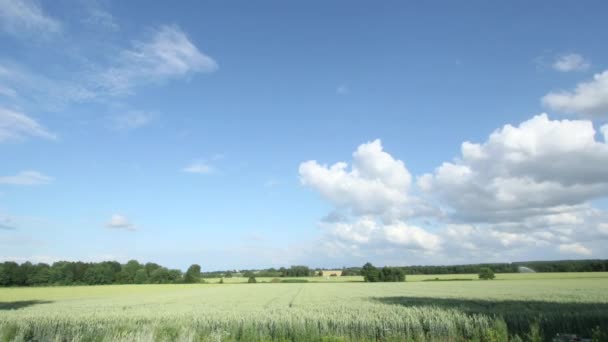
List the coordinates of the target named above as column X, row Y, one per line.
column 303, row 171
column 299, row 304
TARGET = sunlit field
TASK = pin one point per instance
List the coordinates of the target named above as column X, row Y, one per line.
column 416, row 310
column 427, row 277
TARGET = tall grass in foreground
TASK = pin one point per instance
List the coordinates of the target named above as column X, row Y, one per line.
column 374, row 322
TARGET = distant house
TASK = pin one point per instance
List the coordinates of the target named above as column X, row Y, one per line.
column 335, row 273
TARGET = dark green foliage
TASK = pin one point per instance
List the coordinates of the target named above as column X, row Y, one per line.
column 387, row 274
column 486, row 273
column 141, row 276
column 193, row 275
column 252, row 280
column 80, row 273
column 294, row 281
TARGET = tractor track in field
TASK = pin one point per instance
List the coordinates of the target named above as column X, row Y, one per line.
column 295, row 296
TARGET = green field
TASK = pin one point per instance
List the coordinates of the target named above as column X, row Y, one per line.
column 331, row 311
column 428, row 277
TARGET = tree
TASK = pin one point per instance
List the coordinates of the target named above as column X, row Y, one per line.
column 486, row 273
column 370, row 273
column 141, row 276
column 193, row 274
column 252, row 280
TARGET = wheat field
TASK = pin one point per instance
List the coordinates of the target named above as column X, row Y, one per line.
column 334, row 311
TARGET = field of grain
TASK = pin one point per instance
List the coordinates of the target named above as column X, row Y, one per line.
column 425, row 277
column 332, row 311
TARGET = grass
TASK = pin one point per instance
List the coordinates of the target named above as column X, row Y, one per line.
column 332, row 311
column 424, row 277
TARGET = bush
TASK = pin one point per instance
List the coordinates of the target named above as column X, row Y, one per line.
column 252, row 280
column 486, row 273
column 275, row 280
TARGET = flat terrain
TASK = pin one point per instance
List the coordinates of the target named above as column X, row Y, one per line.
column 420, row 310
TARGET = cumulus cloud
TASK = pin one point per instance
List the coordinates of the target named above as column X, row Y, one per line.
column 571, row 62
column 26, row 178
column 118, row 221
column 527, row 189
column 575, row 248
column 19, row 17
column 169, row 54
column 540, row 167
column 16, row 126
column 376, row 183
column 588, row 98
column 371, row 202
column 369, row 231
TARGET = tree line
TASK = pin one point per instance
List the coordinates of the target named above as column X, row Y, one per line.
column 100, row 273
column 292, row 271
column 373, row 274
column 587, row 265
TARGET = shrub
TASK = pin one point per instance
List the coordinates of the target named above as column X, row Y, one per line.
column 252, row 280
column 486, row 273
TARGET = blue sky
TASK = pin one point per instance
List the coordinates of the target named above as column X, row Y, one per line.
column 205, row 132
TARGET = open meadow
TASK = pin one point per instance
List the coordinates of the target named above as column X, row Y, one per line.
column 332, row 311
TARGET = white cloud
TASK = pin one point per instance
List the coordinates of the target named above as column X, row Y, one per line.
column 132, row 120
column 375, row 184
column 26, row 178
column 98, row 17
column 19, row 17
column 540, row 167
column 16, row 126
column 118, row 221
column 33, row 89
column 371, row 204
column 571, row 62
column 199, row 167
column 169, row 54
column 588, row 98
column 574, row 248
column 368, row 231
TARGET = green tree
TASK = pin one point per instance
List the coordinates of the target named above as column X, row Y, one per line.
column 252, row 280
column 370, row 273
column 141, row 276
column 486, row 273
column 193, row 274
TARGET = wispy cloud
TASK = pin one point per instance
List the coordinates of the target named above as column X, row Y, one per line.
column 97, row 17
column 199, row 167
column 132, row 120
column 16, row 126
column 6, row 227
column 571, row 62
column 26, row 17
column 118, row 221
column 169, row 54
column 26, row 178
